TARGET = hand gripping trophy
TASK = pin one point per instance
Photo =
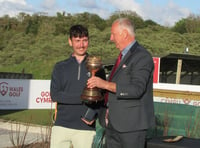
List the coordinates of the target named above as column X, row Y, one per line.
column 90, row 95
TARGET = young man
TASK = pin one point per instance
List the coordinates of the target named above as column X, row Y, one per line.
column 69, row 77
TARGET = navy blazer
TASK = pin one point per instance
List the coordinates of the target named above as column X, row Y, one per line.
column 131, row 107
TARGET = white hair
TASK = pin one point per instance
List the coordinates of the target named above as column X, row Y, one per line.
column 125, row 23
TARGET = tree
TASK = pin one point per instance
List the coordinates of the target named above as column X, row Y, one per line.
column 190, row 24
column 180, row 26
column 193, row 24
column 98, row 22
column 33, row 25
column 150, row 23
column 133, row 16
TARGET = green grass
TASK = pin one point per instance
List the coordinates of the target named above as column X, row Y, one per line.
column 33, row 116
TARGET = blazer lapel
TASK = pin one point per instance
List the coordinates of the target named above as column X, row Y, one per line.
column 126, row 58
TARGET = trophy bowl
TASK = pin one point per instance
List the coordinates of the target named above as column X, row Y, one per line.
column 93, row 64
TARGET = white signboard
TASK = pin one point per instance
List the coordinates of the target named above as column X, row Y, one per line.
column 35, row 94
column 25, row 94
column 178, row 87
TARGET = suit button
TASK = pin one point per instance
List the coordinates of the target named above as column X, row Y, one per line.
column 123, row 94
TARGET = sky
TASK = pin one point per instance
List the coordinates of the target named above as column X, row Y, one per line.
column 163, row 12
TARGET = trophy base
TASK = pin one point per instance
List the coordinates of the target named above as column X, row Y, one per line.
column 90, row 95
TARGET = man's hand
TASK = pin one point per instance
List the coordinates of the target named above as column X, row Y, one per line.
column 100, row 83
column 96, row 82
column 87, row 122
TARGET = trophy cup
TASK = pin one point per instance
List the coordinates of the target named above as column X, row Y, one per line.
column 93, row 64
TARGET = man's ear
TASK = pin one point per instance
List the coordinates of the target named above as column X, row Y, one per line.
column 125, row 33
column 70, row 41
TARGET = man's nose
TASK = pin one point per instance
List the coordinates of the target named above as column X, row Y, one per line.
column 81, row 43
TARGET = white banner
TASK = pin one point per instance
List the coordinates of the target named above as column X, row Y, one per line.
column 35, row 94
column 25, row 94
column 178, row 94
column 176, row 101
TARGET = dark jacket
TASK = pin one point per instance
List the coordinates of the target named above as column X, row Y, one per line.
column 68, row 81
column 131, row 107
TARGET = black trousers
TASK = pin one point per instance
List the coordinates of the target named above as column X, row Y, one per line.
column 133, row 139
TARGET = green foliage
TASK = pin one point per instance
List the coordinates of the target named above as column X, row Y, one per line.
column 35, row 43
column 190, row 24
column 150, row 23
column 180, row 26
column 193, row 24
column 33, row 25
column 133, row 16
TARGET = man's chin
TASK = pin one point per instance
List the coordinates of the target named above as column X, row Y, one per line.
column 82, row 54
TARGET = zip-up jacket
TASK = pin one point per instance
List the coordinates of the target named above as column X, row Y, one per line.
column 67, row 83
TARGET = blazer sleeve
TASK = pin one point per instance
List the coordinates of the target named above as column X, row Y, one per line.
column 134, row 78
